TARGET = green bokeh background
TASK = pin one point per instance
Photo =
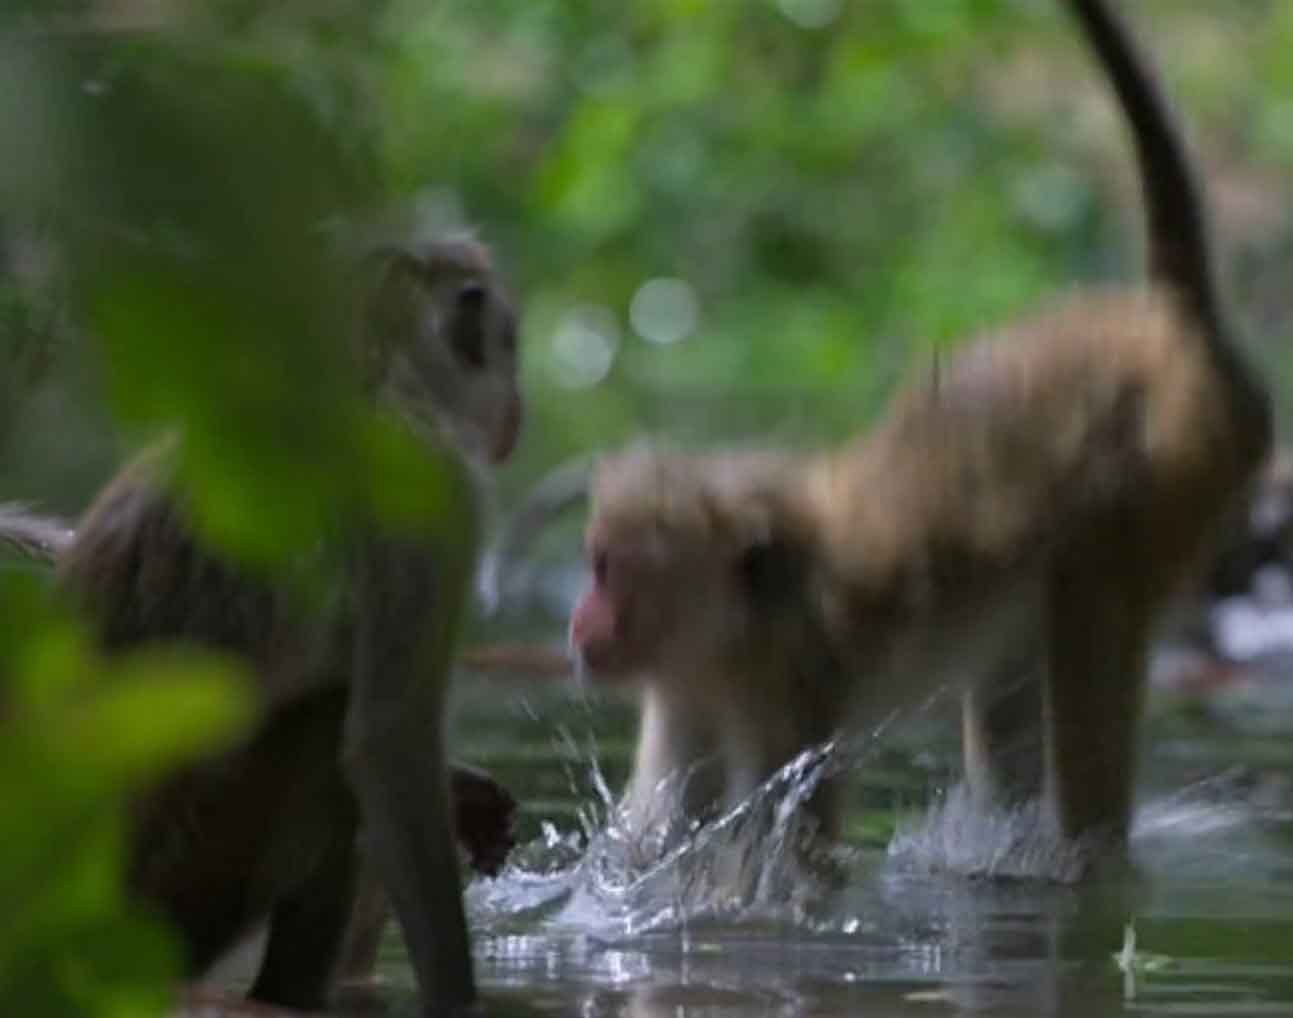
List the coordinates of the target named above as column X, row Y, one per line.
column 832, row 190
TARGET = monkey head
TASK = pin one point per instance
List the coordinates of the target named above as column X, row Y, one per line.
column 441, row 342
column 690, row 567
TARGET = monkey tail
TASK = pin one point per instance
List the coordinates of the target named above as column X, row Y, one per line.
column 1180, row 253
column 564, row 487
column 39, row 538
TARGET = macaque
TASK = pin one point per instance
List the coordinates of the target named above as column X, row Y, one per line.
column 483, row 809
column 1015, row 524
column 353, row 696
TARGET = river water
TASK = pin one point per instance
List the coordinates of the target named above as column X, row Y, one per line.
column 927, row 909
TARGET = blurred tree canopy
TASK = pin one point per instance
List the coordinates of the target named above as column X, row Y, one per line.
column 724, row 218
column 831, row 188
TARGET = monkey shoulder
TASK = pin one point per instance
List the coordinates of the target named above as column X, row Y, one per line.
column 143, row 575
column 138, row 568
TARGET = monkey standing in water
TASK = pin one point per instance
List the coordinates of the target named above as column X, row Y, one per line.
column 1015, row 524
column 353, row 698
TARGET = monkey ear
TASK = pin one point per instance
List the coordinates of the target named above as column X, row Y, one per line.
column 770, row 569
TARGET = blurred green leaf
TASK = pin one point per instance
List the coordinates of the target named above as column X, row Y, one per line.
column 79, row 734
column 842, row 187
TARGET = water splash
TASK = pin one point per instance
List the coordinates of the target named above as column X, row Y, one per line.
column 1258, row 624
column 751, row 863
column 751, row 866
column 961, row 835
column 1212, row 825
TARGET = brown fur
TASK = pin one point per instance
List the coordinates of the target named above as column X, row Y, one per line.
column 352, row 693
column 483, row 809
column 1020, row 519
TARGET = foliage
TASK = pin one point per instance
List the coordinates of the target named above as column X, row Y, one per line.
column 78, row 734
column 184, row 180
column 839, row 187
column 724, row 217
column 835, row 188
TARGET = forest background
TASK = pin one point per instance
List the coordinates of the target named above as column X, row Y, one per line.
column 724, row 219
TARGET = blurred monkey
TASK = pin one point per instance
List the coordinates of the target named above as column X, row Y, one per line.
column 353, row 696
column 1016, row 524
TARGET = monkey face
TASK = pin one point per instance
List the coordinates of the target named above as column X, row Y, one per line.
column 446, row 337
column 684, row 578
column 466, row 356
column 655, row 603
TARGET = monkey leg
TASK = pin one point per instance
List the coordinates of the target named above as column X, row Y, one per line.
column 308, row 861
column 395, row 758
column 484, row 812
column 367, row 924
column 203, row 905
column 216, row 846
column 1095, row 674
column 307, row 928
column 406, row 813
column 187, row 859
column 1001, row 726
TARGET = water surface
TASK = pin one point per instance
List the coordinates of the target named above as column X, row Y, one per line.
column 905, row 923
column 929, row 908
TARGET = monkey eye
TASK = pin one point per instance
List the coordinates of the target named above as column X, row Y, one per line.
column 467, row 325
column 601, row 566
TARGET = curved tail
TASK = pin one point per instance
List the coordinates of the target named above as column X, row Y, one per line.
column 1180, row 253
column 39, row 538
column 564, row 487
